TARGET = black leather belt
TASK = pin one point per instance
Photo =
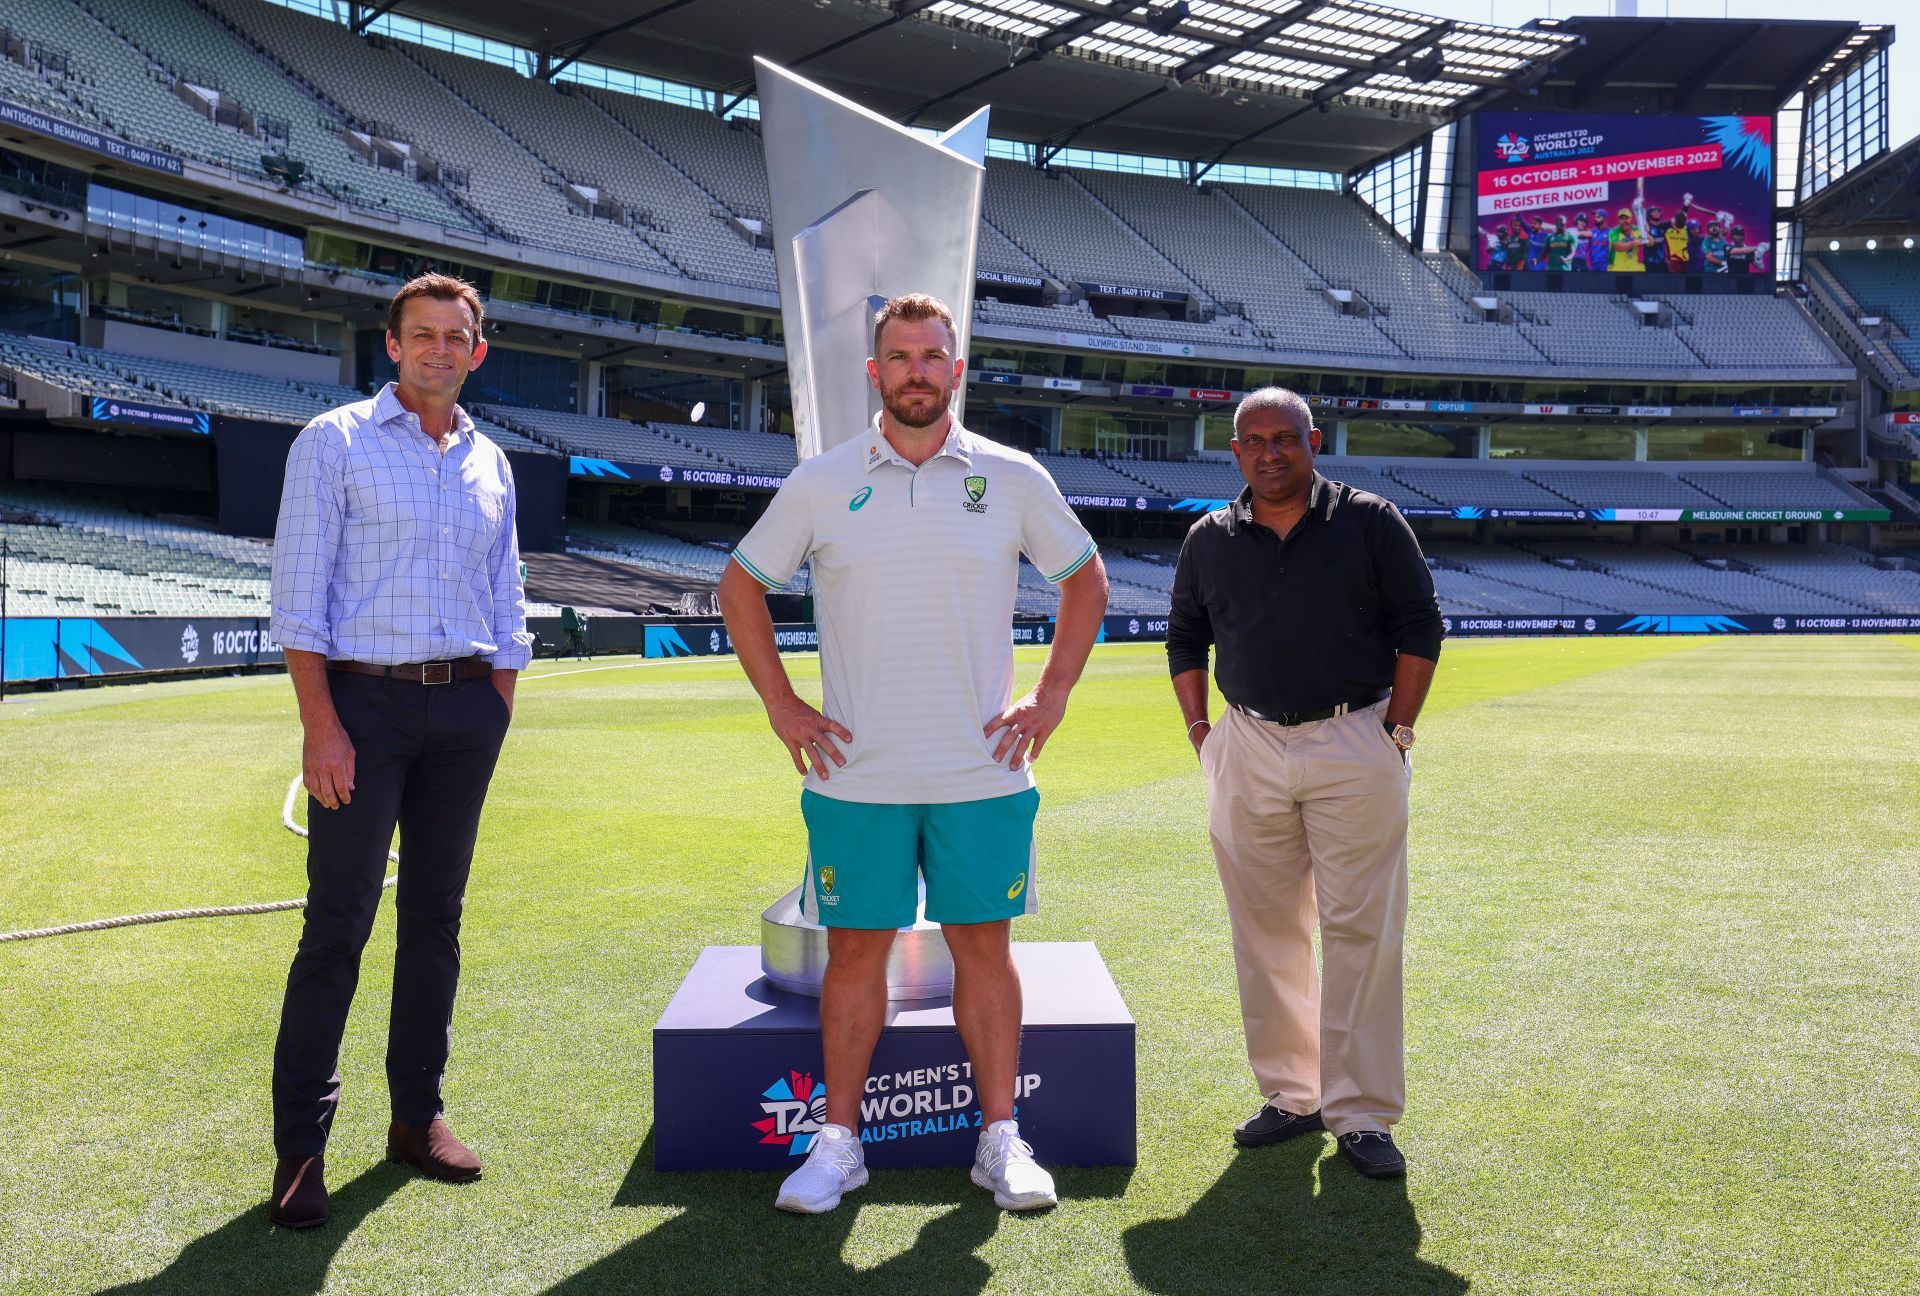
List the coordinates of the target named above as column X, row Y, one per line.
column 433, row 672
column 1306, row 717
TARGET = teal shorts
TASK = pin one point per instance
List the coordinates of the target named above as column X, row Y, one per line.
column 865, row 861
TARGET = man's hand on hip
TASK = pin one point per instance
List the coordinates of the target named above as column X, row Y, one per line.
column 807, row 734
column 503, row 682
column 1028, row 724
column 326, row 764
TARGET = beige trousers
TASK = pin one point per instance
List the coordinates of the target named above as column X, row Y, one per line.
column 1312, row 819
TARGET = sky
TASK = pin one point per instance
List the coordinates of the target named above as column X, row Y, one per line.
column 1903, row 58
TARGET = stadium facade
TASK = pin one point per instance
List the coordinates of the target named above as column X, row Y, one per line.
column 1615, row 310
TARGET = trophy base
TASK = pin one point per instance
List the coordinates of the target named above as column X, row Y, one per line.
column 793, row 954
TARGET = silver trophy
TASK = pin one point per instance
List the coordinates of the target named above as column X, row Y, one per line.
column 863, row 210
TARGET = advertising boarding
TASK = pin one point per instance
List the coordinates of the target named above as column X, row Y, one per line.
column 1610, row 193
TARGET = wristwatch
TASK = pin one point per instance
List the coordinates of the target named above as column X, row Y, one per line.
column 1402, row 735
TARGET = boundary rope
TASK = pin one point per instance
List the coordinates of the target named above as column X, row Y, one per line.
column 218, row 911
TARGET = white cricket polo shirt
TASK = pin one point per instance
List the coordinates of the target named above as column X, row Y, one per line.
column 914, row 573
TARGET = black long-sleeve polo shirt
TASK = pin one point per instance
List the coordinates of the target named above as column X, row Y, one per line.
column 1311, row 621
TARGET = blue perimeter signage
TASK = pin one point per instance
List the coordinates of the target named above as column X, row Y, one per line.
column 44, row 648
column 13, row 114
column 641, row 474
column 105, row 409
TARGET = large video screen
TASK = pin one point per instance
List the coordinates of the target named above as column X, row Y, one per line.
column 1565, row 193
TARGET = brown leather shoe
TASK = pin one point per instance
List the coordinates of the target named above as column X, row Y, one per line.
column 433, row 1151
column 299, row 1193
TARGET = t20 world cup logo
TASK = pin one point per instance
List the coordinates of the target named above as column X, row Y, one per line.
column 1512, row 147
column 796, row 1108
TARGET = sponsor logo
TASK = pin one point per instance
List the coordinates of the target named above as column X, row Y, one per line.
column 1133, row 627
column 1779, row 623
column 189, row 645
column 1139, row 501
column 1591, row 625
column 666, row 474
column 860, row 499
column 713, row 641
column 976, row 488
column 1512, row 147
column 796, row 1108
column 1019, row 885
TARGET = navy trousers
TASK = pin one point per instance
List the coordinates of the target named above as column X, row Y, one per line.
column 423, row 756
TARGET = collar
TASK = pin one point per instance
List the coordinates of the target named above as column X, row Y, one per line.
column 880, row 450
column 387, row 409
column 1320, row 501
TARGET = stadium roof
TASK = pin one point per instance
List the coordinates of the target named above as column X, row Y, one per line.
column 1321, row 84
column 1880, row 197
column 1697, row 64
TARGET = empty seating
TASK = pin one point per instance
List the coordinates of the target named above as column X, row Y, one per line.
column 1785, row 489
column 587, row 146
column 1752, row 333
column 1479, row 487
column 1348, row 248
column 1603, row 488
column 383, row 87
column 1077, row 475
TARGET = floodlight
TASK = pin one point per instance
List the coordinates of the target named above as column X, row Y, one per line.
column 1873, row 245
column 1833, row 245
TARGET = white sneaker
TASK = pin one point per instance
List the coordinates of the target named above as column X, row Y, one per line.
column 1004, row 1162
column 835, row 1164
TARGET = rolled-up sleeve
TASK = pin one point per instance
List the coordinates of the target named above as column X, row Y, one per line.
column 1409, row 610
column 513, row 643
column 306, row 539
column 1189, row 627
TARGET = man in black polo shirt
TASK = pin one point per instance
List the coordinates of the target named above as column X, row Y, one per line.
column 1320, row 605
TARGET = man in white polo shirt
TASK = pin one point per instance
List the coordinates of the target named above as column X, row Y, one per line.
column 920, row 762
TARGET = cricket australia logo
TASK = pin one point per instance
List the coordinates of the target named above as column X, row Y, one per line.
column 976, row 491
column 796, row 1108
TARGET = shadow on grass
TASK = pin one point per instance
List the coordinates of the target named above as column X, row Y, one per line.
column 728, row 1238
column 247, row 1254
column 1262, row 1227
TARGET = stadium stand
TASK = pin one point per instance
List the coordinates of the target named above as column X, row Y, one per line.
column 1077, row 318
column 1064, row 227
column 701, row 561
column 77, row 557
column 765, row 452
column 1597, row 333
column 92, row 371
column 1885, row 284
column 1749, row 332
column 1488, row 487
column 197, row 48
column 605, row 438
column 1218, row 244
column 380, row 85
column 1347, row 247
column 588, row 146
column 1802, row 488
column 1084, row 475
column 1617, row 488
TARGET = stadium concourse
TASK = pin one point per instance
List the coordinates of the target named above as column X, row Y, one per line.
column 1636, row 414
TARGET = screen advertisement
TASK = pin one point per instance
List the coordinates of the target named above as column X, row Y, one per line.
column 1609, row 193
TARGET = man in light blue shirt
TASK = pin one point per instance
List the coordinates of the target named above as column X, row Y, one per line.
column 398, row 601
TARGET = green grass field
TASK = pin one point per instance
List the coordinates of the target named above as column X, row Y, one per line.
column 1662, row 1015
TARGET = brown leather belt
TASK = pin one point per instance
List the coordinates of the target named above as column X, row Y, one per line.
column 434, row 672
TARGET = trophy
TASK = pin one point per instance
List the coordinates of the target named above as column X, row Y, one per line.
column 863, row 210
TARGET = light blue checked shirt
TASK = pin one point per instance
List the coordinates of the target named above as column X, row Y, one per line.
column 388, row 551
